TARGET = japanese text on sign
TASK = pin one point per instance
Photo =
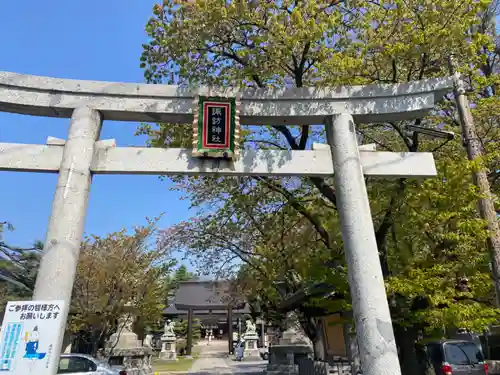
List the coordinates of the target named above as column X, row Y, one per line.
column 31, row 310
column 30, row 330
column 216, row 125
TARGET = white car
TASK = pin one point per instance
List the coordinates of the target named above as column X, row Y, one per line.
column 84, row 364
column 264, row 352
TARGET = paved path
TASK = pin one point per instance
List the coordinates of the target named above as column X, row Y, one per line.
column 214, row 360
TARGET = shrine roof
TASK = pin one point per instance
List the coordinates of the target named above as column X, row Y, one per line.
column 206, row 296
column 172, row 310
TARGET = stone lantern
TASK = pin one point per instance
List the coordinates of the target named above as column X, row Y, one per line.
column 168, row 341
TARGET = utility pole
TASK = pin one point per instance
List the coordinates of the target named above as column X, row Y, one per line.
column 474, row 151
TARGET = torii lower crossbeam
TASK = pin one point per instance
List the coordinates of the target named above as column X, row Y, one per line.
column 174, row 161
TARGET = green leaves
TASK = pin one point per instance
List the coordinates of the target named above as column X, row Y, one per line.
column 440, row 239
column 115, row 273
column 172, row 281
column 18, row 268
column 428, row 232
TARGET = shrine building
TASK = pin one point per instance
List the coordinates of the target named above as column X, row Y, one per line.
column 214, row 303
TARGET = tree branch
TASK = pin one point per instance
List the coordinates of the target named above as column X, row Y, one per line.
column 313, row 219
column 383, row 230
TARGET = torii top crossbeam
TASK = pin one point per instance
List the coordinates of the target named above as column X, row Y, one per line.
column 54, row 97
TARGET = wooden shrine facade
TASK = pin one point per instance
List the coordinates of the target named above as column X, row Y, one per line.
column 213, row 302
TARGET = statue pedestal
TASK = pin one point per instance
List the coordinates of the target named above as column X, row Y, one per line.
column 124, row 349
column 168, row 349
column 124, row 340
column 251, row 352
column 293, row 347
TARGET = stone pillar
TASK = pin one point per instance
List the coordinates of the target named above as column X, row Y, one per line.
column 377, row 345
column 262, row 332
column 168, row 348
column 252, row 351
column 230, row 329
column 293, row 345
column 61, row 250
column 189, row 341
column 125, row 347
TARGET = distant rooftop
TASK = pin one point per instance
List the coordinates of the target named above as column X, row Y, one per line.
column 205, row 296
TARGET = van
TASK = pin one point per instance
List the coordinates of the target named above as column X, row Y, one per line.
column 456, row 357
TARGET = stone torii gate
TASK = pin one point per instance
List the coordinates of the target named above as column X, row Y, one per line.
column 83, row 154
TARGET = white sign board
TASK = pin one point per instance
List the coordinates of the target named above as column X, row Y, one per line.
column 29, row 337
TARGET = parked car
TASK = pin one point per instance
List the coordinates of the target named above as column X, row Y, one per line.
column 264, row 352
column 456, row 357
column 83, row 364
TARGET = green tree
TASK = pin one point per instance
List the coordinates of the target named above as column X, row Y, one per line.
column 325, row 43
column 18, row 268
column 118, row 275
column 181, row 331
column 172, row 281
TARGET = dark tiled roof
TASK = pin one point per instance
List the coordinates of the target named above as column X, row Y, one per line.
column 174, row 311
column 171, row 309
column 204, row 296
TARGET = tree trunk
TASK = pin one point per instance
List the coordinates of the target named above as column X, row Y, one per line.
column 67, row 342
column 405, row 340
column 352, row 348
column 313, row 329
column 318, row 342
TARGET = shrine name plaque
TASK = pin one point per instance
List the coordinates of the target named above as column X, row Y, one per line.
column 216, row 127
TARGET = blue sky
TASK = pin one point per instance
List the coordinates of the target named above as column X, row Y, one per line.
column 94, row 40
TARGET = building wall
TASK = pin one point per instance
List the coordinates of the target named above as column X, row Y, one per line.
column 333, row 330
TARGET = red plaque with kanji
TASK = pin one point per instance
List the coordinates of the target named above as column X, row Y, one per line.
column 216, row 127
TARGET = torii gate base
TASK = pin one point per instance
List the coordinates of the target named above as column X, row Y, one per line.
column 88, row 103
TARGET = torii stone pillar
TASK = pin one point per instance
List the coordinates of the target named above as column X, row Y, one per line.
column 189, row 339
column 376, row 341
column 230, row 328
column 67, row 221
